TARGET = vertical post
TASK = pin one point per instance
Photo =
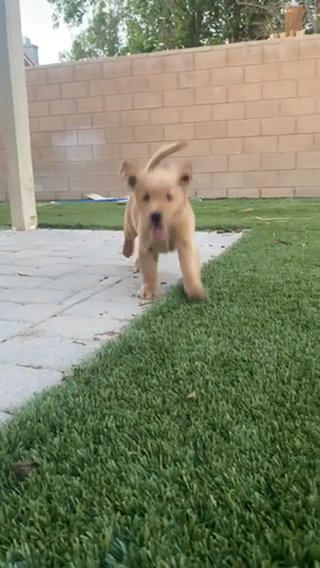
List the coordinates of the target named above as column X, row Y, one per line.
column 14, row 110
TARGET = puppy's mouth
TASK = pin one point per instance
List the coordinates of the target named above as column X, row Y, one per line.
column 158, row 233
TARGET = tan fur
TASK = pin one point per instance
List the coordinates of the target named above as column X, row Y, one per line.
column 161, row 190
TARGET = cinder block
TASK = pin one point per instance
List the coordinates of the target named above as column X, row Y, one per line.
column 106, row 151
column 77, row 121
column 227, row 76
column 50, row 123
column 90, row 104
column 194, row 113
column 101, row 87
column 296, row 142
column 227, row 146
column 135, row 117
column 121, row 134
column 261, row 73
column 244, row 55
column 279, row 161
column 87, row 70
column 298, row 69
column 116, row 67
column 307, row 191
column 74, row 89
column 170, row 115
column 244, row 92
column 299, row 106
column 211, row 58
column 40, row 139
column 210, row 95
column 62, row 107
column 228, row 111
column 92, row 136
column 79, row 153
column 179, row 132
column 276, row 192
column 147, row 100
column 307, row 124
column 149, row 133
column 52, row 154
column 280, row 50
column 60, row 73
column 39, row 108
column 64, row 138
column 309, row 87
column 226, row 180
column 299, row 178
column 118, row 102
column 263, row 109
column 135, row 150
column 147, row 65
column 196, row 78
column 309, row 48
column 245, row 162
column 279, row 89
column 308, row 160
column 131, row 84
column 162, row 81
column 214, row 129
column 244, row 192
column 241, row 128
column 278, row 125
column 177, row 62
column 47, row 92
column 106, row 119
column 35, row 76
column 212, row 164
column 260, row 179
column 178, row 97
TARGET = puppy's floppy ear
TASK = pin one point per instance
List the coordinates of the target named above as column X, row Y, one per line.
column 185, row 174
column 129, row 172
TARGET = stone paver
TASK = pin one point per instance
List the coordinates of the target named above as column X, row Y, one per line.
column 62, row 295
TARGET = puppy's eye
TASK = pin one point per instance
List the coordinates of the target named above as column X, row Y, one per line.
column 146, row 197
column 169, row 197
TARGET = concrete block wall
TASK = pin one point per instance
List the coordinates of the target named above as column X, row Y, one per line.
column 251, row 113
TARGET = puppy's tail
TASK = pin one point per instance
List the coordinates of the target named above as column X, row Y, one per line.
column 163, row 152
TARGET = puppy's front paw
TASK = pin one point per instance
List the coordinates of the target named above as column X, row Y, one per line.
column 146, row 293
column 128, row 248
column 197, row 294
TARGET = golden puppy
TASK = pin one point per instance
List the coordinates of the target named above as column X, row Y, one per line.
column 159, row 213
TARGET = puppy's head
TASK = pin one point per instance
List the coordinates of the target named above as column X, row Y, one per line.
column 160, row 195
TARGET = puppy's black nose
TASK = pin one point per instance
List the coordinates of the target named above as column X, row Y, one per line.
column 156, row 218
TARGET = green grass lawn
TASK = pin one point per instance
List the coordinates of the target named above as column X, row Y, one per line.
column 218, row 214
column 132, row 473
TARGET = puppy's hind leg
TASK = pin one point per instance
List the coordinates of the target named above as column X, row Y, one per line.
column 191, row 271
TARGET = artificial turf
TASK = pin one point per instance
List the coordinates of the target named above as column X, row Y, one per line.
column 215, row 214
column 134, row 473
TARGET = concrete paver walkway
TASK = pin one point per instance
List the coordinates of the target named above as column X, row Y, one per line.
column 62, row 294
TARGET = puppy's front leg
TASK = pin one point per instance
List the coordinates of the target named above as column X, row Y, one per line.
column 148, row 261
column 137, row 263
column 136, row 268
column 128, row 247
column 191, row 271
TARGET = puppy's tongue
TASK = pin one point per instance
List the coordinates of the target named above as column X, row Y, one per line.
column 158, row 234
